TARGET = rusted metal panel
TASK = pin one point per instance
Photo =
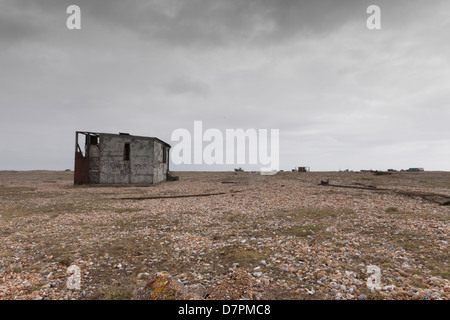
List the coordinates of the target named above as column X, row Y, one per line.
column 81, row 175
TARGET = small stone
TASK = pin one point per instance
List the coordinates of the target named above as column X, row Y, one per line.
column 141, row 276
column 257, row 274
column 196, row 291
column 140, row 283
column 311, row 292
column 362, row 297
column 437, row 295
column 389, row 288
column 403, row 273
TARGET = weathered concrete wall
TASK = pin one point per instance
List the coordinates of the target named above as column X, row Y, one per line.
column 160, row 167
column 94, row 163
column 165, row 166
column 110, row 162
column 115, row 170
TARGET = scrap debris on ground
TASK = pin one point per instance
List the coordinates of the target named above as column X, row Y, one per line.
column 259, row 237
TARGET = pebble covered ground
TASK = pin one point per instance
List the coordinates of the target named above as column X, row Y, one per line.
column 258, row 237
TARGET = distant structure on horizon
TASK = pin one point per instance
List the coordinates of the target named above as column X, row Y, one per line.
column 120, row 159
column 416, row 169
column 301, row 169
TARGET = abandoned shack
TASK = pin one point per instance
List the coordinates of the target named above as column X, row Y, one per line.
column 120, row 159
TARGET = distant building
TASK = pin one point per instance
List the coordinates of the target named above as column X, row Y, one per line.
column 415, row 170
column 120, row 159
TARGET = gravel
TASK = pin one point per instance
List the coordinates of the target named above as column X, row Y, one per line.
column 310, row 241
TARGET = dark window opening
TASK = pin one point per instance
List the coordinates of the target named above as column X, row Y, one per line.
column 93, row 140
column 164, row 155
column 126, row 152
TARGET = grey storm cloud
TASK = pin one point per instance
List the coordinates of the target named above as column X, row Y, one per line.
column 342, row 96
column 211, row 22
column 185, row 85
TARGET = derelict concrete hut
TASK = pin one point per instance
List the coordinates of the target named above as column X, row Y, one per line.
column 120, row 159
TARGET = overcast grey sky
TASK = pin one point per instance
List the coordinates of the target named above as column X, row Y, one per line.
column 342, row 96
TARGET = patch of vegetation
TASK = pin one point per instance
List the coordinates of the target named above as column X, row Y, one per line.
column 127, row 210
column 435, row 259
column 238, row 254
column 120, row 295
column 16, row 193
column 65, row 261
column 36, row 286
column 419, row 284
column 372, row 295
column 441, row 273
column 8, row 190
column 381, row 261
column 391, row 210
